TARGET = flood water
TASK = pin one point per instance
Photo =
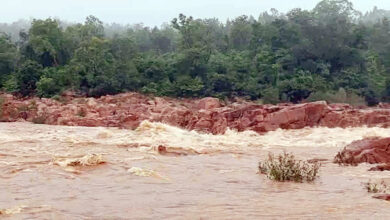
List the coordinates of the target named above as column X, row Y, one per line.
column 199, row 176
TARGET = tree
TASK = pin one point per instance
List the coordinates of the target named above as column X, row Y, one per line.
column 8, row 57
column 92, row 27
column 47, row 43
column 327, row 10
column 241, row 33
column 94, row 62
column 279, row 57
column 27, row 75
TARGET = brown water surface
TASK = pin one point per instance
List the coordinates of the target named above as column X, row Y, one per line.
column 56, row 172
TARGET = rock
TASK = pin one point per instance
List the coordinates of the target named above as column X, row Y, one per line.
column 317, row 160
column 293, row 117
column 209, row 103
column 380, row 167
column 384, row 105
column 382, row 196
column 91, row 102
column 175, row 151
column 128, row 110
column 369, row 150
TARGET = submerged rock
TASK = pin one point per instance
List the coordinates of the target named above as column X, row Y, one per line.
column 88, row 160
column 175, row 151
column 382, row 197
column 208, row 115
column 369, row 150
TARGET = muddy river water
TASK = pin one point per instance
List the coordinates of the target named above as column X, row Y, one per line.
column 198, row 176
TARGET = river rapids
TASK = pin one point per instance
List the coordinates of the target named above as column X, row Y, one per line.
column 162, row 172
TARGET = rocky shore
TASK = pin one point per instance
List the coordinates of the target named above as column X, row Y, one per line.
column 208, row 115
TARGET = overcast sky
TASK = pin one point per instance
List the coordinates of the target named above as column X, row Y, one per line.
column 154, row 12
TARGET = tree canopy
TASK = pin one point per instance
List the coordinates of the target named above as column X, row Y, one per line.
column 328, row 52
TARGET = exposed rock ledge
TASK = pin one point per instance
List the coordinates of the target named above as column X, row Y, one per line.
column 374, row 150
column 128, row 110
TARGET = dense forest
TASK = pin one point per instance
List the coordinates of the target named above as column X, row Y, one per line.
column 331, row 52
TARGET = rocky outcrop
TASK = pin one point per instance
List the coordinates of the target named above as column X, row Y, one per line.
column 210, row 115
column 374, row 150
column 382, row 167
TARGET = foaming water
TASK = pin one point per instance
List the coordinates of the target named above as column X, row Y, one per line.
column 160, row 171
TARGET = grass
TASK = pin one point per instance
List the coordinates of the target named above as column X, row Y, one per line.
column 285, row 167
column 372, row 187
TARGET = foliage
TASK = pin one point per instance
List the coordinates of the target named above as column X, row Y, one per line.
column 373, row 187
column 270, row 95
column 341, row 96
column 331, row 53
column 11, row 84
column 8, row 57
column 46, row 87
column 46, row 41
column 285, row 167
column 27, row 75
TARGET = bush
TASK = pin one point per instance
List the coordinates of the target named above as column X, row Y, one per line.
column 46, row 87
column 381, row 187
column 27, row 76
column 341, row 96
column 285, row 167
column 11, row 84
column 270, row 95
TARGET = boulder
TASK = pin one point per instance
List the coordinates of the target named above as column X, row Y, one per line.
column 369, row 150
column 382, row 167
column 208, row 103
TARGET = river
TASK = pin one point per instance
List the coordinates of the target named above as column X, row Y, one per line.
column 197, row 176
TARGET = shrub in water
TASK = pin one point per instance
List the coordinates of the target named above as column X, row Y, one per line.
column 381, row 187
column 285, row 167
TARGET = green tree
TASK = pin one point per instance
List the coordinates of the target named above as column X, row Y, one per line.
column 240, row 33
column 46, row 41
column 8, row 57
column 94, row 63
column 27, row 75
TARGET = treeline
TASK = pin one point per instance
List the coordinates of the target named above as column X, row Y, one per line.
column 328, row 53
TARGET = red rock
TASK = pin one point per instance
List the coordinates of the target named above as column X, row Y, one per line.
column 382, row 197
column 369, row 150
column 380, row 167
column 128, row 110
column 384, row 105
column 209, row 103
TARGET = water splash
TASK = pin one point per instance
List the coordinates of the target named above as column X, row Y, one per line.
column 87, row 160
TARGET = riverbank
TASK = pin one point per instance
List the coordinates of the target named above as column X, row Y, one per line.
column 208, row 115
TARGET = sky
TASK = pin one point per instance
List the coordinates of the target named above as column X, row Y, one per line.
column 154, row 12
